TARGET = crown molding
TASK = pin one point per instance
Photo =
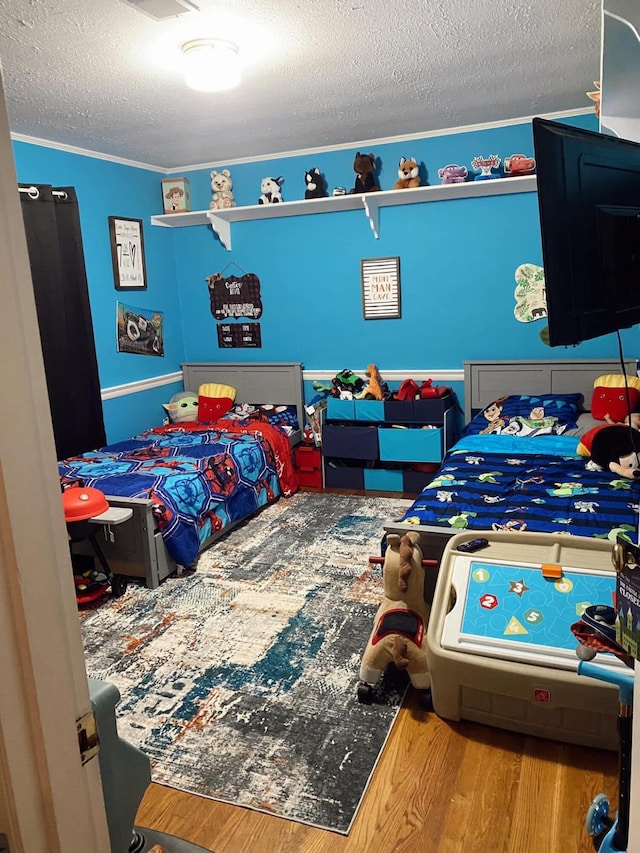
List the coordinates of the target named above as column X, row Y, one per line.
column 409, row 137
column 306, row 152
column 85, row 152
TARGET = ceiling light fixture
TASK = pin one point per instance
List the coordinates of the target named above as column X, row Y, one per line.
column 211, row 65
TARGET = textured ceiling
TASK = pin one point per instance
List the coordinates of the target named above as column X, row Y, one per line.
column 99, row 75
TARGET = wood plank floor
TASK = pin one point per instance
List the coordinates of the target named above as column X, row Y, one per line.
column 439, row 787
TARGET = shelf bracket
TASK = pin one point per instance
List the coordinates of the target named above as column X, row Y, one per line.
column 372, row 209
column 222, row 228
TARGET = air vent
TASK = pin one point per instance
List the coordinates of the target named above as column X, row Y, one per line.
column 160, row 10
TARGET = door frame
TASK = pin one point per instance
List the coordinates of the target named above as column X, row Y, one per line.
column 49, row 801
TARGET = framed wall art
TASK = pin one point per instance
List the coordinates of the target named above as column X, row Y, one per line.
column 380, row 288
column 127, row 253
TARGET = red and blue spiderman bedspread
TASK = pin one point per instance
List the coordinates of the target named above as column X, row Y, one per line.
column 200, row 477
column 537, row 484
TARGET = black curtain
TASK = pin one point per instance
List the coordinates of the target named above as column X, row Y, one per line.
column 54, row 240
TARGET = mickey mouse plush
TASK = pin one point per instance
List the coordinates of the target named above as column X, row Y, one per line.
column 615, row 448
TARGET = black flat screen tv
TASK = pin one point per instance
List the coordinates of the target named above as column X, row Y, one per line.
column 589, row 204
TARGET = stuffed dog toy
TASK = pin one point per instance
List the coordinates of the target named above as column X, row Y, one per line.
column 399, row 630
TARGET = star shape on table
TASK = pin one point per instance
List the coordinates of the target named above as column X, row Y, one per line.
column 519, row 587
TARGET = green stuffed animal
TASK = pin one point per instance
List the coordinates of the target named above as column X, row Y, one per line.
column 182, row 407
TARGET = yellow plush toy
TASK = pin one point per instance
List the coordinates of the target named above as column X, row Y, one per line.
column 400, row 626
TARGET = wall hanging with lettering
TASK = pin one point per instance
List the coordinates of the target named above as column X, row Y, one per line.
column 380, row 288
column 239, row 335
column 234, row 297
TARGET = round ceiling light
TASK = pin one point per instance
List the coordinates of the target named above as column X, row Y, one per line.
column 211, row 65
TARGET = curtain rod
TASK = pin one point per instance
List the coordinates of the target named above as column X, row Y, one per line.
column 34, row 192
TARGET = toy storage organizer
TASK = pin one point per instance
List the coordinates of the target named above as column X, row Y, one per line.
column 500, row 648
column 372, row 444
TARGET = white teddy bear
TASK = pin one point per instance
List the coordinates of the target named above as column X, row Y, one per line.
column 221, row 186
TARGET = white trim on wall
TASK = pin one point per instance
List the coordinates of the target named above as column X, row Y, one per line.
column 391, row 375
column 311, row 375
column 303, row 152
column 366, row 143
column 140, row 385
column 85, row 152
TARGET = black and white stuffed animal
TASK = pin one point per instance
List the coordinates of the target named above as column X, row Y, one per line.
column 270, row 189
column 316, row 186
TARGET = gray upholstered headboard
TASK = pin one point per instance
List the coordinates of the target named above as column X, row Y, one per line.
column 269, row 382
column 485, row 381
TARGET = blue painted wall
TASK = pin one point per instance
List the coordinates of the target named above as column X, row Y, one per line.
column 108, row 189
column 457, row 263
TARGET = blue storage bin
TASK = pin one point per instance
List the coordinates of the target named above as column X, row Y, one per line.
column 351, row 441
column 383, row 479
column 399, row 411
column 431, row 410
column 369, row 410
column 415, row 481
column 410, row 445
column 340, row 410
column 342, row 477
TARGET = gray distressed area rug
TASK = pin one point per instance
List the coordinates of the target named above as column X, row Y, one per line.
column 239, row 680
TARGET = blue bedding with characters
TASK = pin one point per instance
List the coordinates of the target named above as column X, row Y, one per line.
column 200, row 480
column 540, row 484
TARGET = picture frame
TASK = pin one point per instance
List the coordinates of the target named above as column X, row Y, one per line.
column 381, row 288
column 127, row 253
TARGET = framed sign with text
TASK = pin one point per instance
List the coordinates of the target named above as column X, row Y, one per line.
column 127, row 253
column 380, row 288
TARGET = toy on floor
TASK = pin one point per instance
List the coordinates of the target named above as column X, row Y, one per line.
column 408, row 174
column 596, row 633
column 316, row 186
column 221, row 184
column 399, row 632
column 364, row 166
column 270, row 191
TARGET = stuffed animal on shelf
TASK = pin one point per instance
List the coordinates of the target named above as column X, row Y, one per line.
column 182, row 407
column 364, row 166
column 221, row 185
column 316, row 186
column 453, row 174
column 408, row 175
column 399, row 630
column 270, row 190
column 614, row 447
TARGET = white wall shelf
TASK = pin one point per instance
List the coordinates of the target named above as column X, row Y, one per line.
column 221, row 220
